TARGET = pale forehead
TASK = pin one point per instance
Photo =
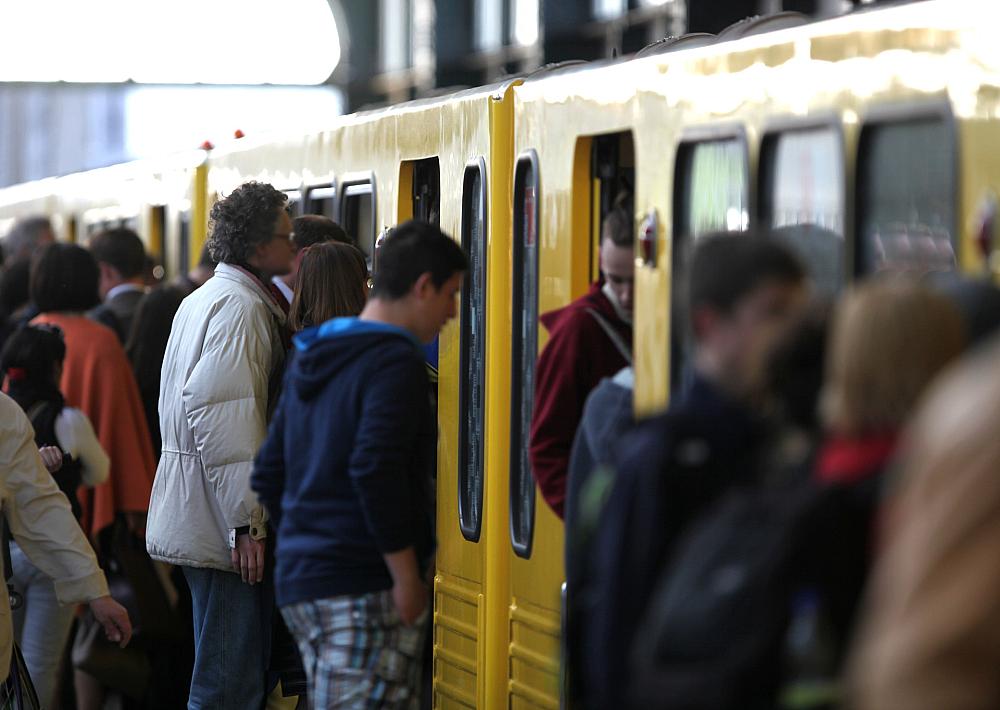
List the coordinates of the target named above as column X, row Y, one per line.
column 621, row 259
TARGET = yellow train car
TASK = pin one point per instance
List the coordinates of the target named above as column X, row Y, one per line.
column 870, row 142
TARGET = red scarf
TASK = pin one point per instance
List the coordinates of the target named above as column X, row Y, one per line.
column 852, row 459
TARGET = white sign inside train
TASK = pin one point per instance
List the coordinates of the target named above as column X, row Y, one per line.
column 169, row 41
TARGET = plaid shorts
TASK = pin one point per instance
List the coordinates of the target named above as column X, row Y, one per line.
column 357, row 653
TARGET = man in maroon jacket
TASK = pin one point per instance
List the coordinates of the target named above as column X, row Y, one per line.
column 589, row 339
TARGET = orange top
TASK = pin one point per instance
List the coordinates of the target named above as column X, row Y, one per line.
column 97, row 379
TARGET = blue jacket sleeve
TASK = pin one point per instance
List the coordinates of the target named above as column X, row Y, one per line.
column 268, row 477
column 393, row 401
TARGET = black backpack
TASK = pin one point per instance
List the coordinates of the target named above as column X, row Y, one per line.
column 715, row 627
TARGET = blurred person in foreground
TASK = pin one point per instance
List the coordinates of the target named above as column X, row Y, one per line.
column 742, row 289
column 354, row 510
column 221, row 377
column 931, row 633
column 40, row 518
column 32, row 362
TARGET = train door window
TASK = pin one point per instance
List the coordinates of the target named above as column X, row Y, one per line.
column 320, row 200
column 906, row 197
column 524, row 351
column 472, row 387
column 612, row 168
column 357, row 215
column 427, row 190
column 803, row 199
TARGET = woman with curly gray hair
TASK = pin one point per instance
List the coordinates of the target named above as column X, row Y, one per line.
column 221, row 371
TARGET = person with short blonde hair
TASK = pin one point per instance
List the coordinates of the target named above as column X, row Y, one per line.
column 333, row 283
column 889, row 340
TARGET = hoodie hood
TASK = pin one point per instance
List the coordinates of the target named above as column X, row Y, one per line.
column 323, row 351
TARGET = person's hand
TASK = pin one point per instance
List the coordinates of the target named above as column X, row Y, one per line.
column 411, row 599
column 52, row 457
column 248, row 559
column 113, row 617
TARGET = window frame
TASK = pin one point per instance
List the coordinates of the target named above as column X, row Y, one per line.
column 311, row 196
column 352, row 187
column 897, row 114
column 519, row 439
column 764, row 205
column 472, row 532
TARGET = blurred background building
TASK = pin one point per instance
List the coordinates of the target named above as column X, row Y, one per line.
column 86, row 84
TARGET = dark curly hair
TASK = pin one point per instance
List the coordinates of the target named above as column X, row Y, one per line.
column 243, row 220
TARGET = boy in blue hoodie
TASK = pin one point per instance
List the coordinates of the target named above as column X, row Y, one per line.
column 345, row 475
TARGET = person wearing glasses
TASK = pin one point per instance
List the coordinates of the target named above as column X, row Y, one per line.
column 220, row 381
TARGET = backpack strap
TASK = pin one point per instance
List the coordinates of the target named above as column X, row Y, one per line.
column 617, row 340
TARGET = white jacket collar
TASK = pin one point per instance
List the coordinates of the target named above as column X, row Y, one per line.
column 229, row 272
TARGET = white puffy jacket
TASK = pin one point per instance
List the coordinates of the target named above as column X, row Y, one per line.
column 219, row 383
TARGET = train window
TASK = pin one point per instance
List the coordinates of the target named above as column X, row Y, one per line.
column 906, row 197
column 472, row 387
column 803, row 199
column 320, row 200
column 427, row 190
column 712, row 187
column 711, row 193
column 357, row 215
column 524, row 352
column 294, row 202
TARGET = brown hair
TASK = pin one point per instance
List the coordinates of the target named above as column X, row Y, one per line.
column 332, row 282
column 889, row 339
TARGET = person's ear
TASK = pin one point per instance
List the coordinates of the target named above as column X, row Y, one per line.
column 423, row 287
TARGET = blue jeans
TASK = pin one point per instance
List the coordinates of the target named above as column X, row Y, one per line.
column 41, row 626
column 232, row 641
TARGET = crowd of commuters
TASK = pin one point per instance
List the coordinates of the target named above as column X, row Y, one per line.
column 248, row 454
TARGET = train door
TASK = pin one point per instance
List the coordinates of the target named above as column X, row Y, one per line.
column 535, row 532
column 460, row 611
